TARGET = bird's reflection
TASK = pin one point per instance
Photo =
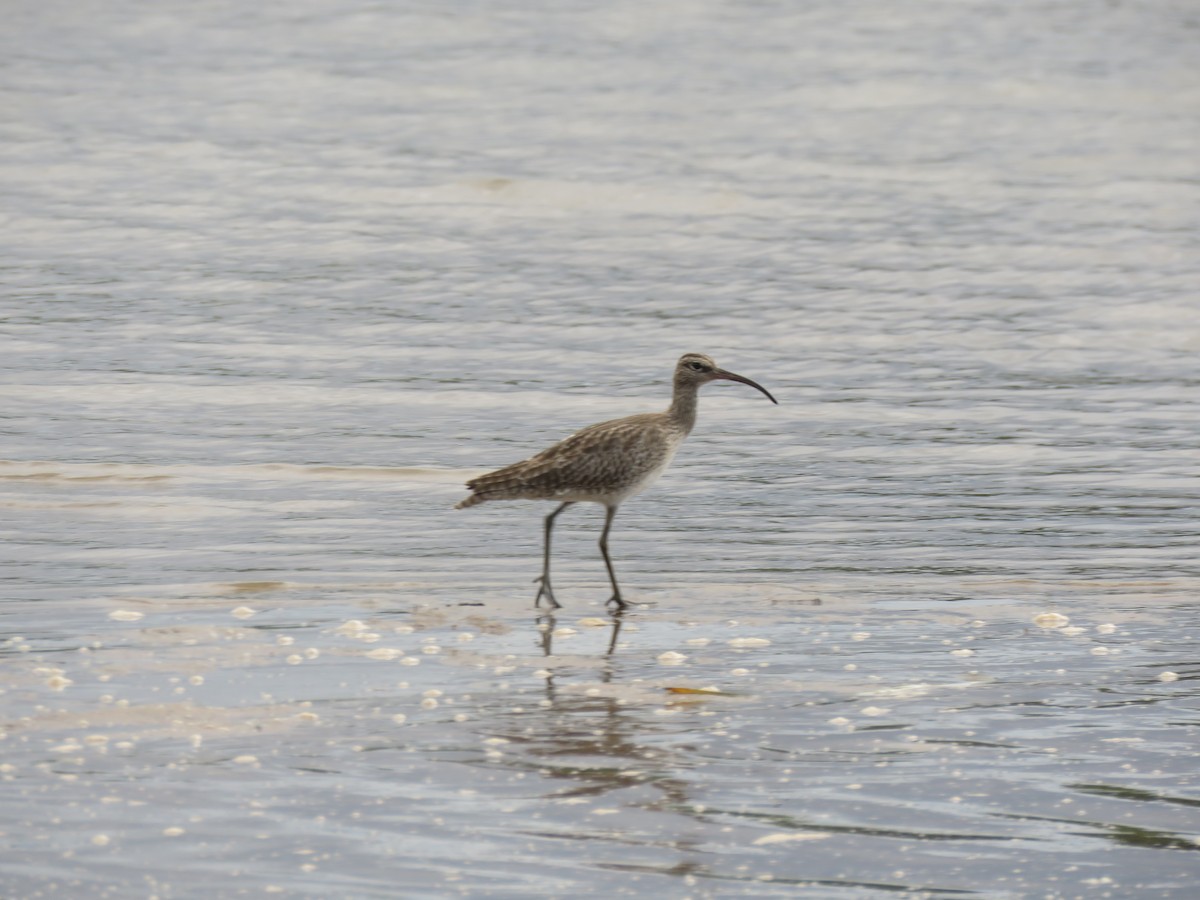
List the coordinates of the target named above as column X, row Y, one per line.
column 546, row 624
column 545, row 627
column 593, row 741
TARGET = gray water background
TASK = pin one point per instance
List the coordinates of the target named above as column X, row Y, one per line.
column 278, row 279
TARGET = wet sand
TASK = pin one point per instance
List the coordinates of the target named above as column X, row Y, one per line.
column 739, row 737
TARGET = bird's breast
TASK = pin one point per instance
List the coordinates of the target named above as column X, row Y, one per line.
column 649, row 476
column 644, row 468
column 610, row 462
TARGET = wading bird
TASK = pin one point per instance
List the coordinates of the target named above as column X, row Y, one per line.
column 605, row 463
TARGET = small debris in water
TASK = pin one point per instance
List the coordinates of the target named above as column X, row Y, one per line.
column 1106, row 628
column 285, row 640
column 399, row 718
column 860, row 635
column 1050, row 620
column 707, row 692
column 874, row 710
column 698, row 642
column 126, row 615
column 1168, row 676
column 749, row 642
column 963, row 652
column 173, row 831
column 100, row 840
column 386, row 653
column 243, row 612
column 564, row 632
column 787, row 837
column 1100, row 651
column 246, row 759
column 1072, row 630
column 593, row 622
column 671, row 658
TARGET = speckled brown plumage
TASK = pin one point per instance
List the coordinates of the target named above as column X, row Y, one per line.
column 600, row 463
column 605, row 463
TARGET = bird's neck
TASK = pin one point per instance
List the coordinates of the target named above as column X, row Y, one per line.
column 683, row 406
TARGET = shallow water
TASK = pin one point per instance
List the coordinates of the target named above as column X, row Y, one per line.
column 278, row 281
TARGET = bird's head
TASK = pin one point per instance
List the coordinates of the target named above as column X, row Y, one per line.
column 697, row 369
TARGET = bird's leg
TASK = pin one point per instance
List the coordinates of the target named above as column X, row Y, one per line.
column 609, row 512
column 544, row 578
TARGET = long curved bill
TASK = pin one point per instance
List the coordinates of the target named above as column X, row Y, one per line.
column 731, row 376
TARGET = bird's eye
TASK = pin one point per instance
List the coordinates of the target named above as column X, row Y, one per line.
column 697, row 366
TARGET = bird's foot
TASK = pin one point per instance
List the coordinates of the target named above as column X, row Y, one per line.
column 616, row 601
column 545, row 591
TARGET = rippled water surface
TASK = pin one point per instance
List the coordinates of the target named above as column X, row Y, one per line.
column 278, row 280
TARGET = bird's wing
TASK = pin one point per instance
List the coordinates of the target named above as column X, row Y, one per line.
column 594, row 458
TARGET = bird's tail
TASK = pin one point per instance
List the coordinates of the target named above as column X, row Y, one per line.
column 503, row 484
